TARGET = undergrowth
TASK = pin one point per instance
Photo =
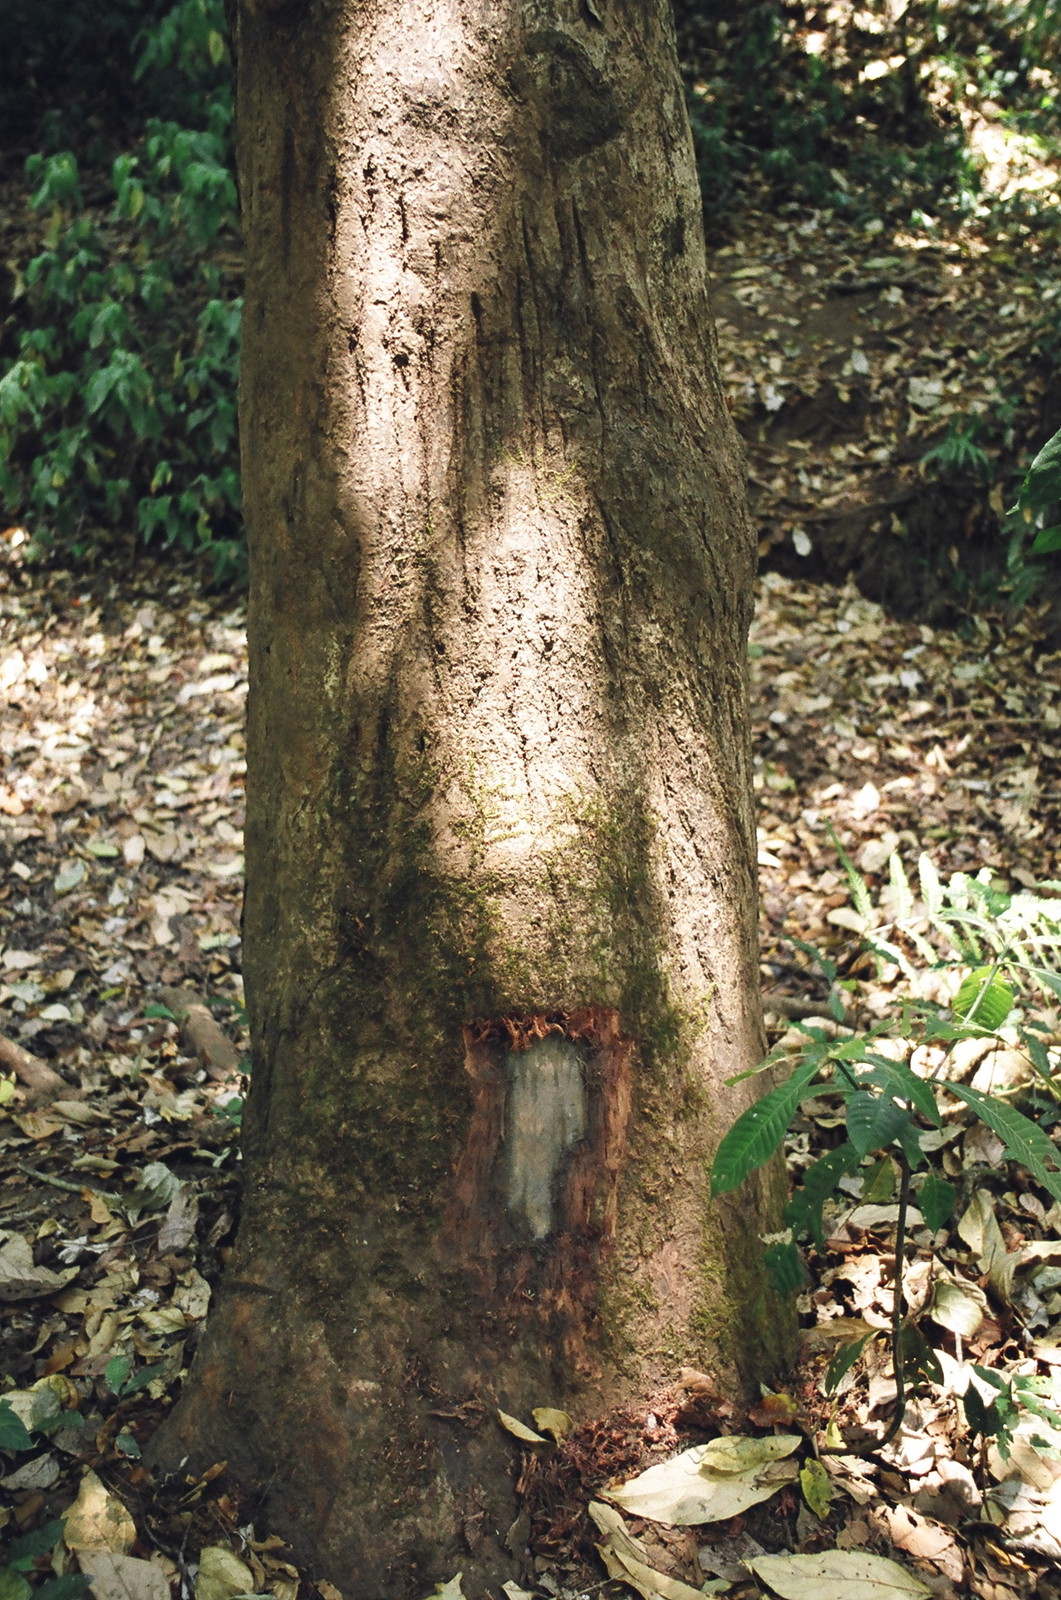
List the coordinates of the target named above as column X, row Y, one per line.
column 998, row 955
column 118, row 411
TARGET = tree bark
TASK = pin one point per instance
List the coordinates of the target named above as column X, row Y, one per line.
column 500, row 936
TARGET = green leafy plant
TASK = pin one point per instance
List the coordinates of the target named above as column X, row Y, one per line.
column 118, row 412
column 819, row 107
column 961, row 451
column 122, row 1381
column 37, row 1413
column 23, row 1558
column 1002, row 952
column 1039, row 498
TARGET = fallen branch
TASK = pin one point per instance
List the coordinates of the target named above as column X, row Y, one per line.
column 201, row 1034
column 798, row 1009
column 43, row 1082
column 61, row 1183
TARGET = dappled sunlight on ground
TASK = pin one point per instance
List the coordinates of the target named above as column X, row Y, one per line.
column 120, row 816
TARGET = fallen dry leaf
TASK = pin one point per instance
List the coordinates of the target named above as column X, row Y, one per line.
column 687, row 1490
column 120, row 1577
column 222, row 1574
column 838, row 1575
column 20, row 1279
column 97, row 1520
column 627, row 1559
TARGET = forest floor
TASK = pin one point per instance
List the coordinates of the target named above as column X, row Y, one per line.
column 121, row 836
column 887, row 379
column 121, row 817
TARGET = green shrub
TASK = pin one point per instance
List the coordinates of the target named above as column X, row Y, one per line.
column 118, row 413
column 1003, row 954
column 1040, row 497
column 858, row 109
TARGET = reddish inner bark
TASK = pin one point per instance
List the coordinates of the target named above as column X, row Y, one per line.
column 551, row 1280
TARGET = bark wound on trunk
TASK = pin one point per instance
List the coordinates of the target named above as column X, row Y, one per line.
column 535, row 1194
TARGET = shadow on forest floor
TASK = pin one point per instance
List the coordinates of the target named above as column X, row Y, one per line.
column 890, row 386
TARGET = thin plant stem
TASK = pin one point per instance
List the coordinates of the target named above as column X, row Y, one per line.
column 898, row 1370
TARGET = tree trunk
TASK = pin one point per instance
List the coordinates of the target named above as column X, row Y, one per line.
column 500, row 943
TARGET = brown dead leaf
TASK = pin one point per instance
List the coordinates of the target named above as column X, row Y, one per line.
column 778, row 1409
column 922, row 1539
column 113, row 1576
column 97, row 1520
column 699, row 1384
column 21, row 1278
column 39, row 1124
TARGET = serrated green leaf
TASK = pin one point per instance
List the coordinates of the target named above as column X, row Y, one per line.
column 785, row 1268
column 757, row 1133
column 817, row 1488
column 66, row 1587
column 13, row 1586
column 983, row 1419
column 903, row 895
column 996, row 1379
column 145, row 1376
column 1025, row 1141
column 984, row 998
column 116, row 1371
column 37, row 1543
column 878, row 1184
column 918, row 1357
column 886, row 951
column 909, row 1141
column 1042, row 482
column 935, row 1028
column 874, row 1121
column 859, row 1049
column 1040, row 1060
column 860, row 895
column 803, row 1213
column 896, row 1079
column 844, row 1360
column 1046, row 541
column 1051, row 979
column 824, row 964
column 935, row 1200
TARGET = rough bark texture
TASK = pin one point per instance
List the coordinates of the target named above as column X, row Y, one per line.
column 500, row 922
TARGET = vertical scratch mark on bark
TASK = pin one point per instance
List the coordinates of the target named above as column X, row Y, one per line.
column 287, row 186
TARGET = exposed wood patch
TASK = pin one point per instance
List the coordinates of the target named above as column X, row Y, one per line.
column 535, row 1191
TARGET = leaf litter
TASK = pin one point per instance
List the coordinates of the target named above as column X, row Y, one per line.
column 108, row 1275
column 120, row 825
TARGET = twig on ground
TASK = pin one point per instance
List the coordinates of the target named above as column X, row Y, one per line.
column 43, row 1082
column 67, row 1184
column 798, row 1009
column 201, row 1034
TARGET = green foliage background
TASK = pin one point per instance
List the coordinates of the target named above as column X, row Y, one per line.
column 121, row 340
column 118, row 409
